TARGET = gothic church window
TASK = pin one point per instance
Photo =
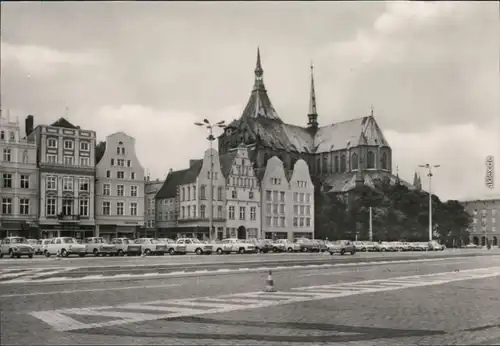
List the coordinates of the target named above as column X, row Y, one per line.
column 370, row 160
column 383, row 161
column 342, row 163
column 354, row 161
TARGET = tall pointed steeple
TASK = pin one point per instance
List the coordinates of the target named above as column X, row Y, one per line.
column 313, row 114
column 415, row 180
column 259, row 73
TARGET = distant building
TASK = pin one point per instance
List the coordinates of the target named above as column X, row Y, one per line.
column 65, row 158
column 242, row 193
column 151, row 187
column 18, row 184
column 484, row 221
column 119, row 188
column 167, row 204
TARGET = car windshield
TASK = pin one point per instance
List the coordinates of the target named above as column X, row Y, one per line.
column 68, row 240
column 126, row 241
column 154, row 241
column 196, row 241
column 18, row 240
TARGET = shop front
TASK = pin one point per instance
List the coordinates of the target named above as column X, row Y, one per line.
column 73, row 231
column 18, row 228
column 109, row 232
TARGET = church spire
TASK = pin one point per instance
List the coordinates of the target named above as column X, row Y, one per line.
column 259, row 72
column 313, row 114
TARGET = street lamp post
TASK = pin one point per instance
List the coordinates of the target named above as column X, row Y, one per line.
column 429, row 174
column 210, row 138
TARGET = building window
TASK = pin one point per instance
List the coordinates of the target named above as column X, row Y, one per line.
column 50, row 206
column 68, row 184
column 7, row 155
column 253, row 213
column 282, row 196
column 51, row 143
column 25, row 181
column 133, row 191
column 295, row 196
column 384, row 161
column 194, row 211
column 52, row 159
column 2, row 135
column 202, row 211
column 282, row 209
column 302, row 211
column 219, row 212
column 275, row 221
column 6, row 206
column 231, row 213
column 67, row 206
column 120, row 175
column 234, row 194
column 84, row 161
column 108, row 174
column 25, row 156
column 308, row 198
column 51, row 183
column 354, row 161
column 242, row 213
column 295, row 209
column 106, row 190
column 370, row 160
column 308, row 222
column 84, row 146
column 68, row 144
column 268, row 195
column 342, row 163
column 275, row 208
column 132, row 175
column 112, row 162
column 129, row 163
column 295, row 222
column 118, row 150
column 282, row 221
column 202, row 192
column 219, row 193
column 119, row 208
column 84, row 207
column 133, row 209
column 123, row 151
column 120, row 162
column 275, row 196
column 308, row 210
column 68, row 160
column 84, row 184
column 120, row 189
column 301, row 222
column 268, row 220
column 106, row 208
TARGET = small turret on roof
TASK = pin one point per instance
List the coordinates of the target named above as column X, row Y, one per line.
column 312, row 115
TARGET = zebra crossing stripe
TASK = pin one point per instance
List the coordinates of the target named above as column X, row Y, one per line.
column 61, row 320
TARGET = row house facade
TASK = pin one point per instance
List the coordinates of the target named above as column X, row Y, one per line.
column 484, row 228
column 244, row 206
column 287, row 202
column 151, row 187
column 120, row 185
column 66, row 171
column 18, row 184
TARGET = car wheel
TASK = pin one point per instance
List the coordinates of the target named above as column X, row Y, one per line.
column 1, row 255
column 199, row 251
column 257, row 250
column 46, row 253
column 241, row 251
column 81, row 255
column 353, row 251
column 363, row 249
column 290, row 249
column 120, row 252
column 219, row 251
column 95, row 252
column 342, row 252
column 147, row 252
column 64, row 253
column 30, row 256
column 11, row 253
column 171, row 251
column 331, row 252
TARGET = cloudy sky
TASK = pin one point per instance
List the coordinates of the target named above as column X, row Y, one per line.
column 431, row 71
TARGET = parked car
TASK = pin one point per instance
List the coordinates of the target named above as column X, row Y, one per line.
column 341, row 247
column 16, row 247
column 307, row 245
column 290, row 246
column 278, row 245
column 321, row 244
column 44, row 244
column 125, row 246
column 65, row 246
column 173, row 248
column 261, row 245
column 435, row 246
column 235, row 245
column 194, row 245
column 364, row 246
column 151, row 246
column 36, row 244
column 99, row 246
column 419, row 246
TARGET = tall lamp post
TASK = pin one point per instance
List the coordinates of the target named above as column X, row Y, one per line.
column 206, row 123
column 429, row 174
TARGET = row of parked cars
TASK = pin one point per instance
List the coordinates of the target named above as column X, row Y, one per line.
column 15, row 247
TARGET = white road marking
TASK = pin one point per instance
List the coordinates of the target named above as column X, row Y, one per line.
column 335, row 272
column 88, row 290
column 184, row 307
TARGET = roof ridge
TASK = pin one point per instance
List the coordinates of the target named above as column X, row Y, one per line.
column 346, row 121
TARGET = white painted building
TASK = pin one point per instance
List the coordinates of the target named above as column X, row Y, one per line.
column 18, row 182
column 242, row 195
column 119, row 188
column 287, row 205
column 66, row 161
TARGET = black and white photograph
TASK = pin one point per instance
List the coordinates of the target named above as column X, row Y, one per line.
column 250, row 173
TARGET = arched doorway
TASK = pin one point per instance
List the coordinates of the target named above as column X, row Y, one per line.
column 495, row 241
column 483, row 241
column 242, row 232
column 475, row 240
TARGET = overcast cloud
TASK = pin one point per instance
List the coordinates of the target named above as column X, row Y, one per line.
column 431, row 70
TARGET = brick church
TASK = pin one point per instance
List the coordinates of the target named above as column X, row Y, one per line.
column 340, row 156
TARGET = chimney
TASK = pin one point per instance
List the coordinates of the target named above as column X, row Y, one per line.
column 29, row 124
column 191, row 162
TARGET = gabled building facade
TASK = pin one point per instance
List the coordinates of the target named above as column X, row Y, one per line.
column 334, row 153
column 484, row 228
column 66, row 163
column 119, row 188
column 189, row 190
column 242, row 193
column 18, row 182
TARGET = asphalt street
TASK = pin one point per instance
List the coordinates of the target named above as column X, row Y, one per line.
column 440, row 301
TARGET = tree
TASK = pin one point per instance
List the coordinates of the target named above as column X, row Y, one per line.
column 453, row 222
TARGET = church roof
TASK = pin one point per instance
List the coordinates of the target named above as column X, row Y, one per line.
column 61, row 122
column 226, row 162
column 345, row 182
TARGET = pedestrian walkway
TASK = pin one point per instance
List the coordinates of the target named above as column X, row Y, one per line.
column 106, row 316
